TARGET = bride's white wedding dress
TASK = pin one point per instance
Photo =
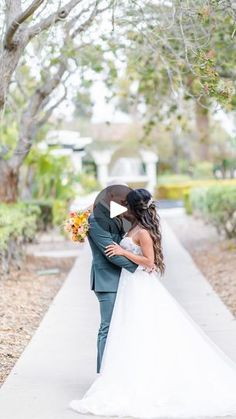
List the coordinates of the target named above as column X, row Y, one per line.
column 158, row 363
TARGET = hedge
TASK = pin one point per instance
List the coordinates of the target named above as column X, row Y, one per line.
column 52, row 212
column 18, row 225
column 217, row 205
column 20, row 222
column 182, row 190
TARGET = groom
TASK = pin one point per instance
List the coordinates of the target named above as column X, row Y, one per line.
column 105, row 271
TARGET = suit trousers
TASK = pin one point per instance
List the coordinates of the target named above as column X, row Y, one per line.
column 106, row 302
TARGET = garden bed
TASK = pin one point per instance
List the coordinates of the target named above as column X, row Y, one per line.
column 214, row 255
column 24, row 298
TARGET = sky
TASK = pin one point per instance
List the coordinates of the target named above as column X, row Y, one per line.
column 106, row 112
column 102, row 111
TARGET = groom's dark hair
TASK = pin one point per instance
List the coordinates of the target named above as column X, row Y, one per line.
column 116, row 190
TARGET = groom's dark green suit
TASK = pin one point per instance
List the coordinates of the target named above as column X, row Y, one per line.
column 105, row 271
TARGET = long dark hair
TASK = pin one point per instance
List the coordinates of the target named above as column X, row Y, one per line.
column 143, row 208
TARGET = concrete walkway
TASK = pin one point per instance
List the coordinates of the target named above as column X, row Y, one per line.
column 59, row 362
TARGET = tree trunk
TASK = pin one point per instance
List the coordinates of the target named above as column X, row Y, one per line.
column 12, row 52
column 202, row 126
column 8, row 64
column 8, row 182
column 18, row 34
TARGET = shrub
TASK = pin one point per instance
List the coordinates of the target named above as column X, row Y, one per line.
column 169, row 178
column 59, row 212
column 172, row 191
column 52, row 213
column 181, row 190
column 18, row 225
column 88, row 183
column 45, row 220
column 203, row 170
column 187, row 204
column 53, row 175
column 217, row 204
column 197, row 200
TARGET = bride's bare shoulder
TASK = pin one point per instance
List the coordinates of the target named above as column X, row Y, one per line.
column 144, row 235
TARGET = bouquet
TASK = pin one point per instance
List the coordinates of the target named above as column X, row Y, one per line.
column 77, row 225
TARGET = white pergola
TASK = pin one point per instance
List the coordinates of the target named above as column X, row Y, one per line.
column 70, row 143
column 102, row 159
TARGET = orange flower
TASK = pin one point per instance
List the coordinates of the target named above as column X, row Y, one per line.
column 77, row 224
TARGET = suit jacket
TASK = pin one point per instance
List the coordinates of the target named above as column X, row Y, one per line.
column 105, row 271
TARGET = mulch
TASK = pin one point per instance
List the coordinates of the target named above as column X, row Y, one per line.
column 218, row 264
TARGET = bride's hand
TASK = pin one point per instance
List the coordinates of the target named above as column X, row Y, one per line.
column 114, row 250
column 151, row 270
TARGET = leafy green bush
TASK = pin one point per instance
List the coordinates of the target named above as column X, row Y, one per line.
column 195, row 200
column 52, row 213
column 187, row 204
column 88, row 183
column 53, row 175
column 45, row 220
column 59, row 212
column 18, row 225
column 169, row 178
column 171, row 191
column 217, row 204
column 203, row 170
column 181, row 190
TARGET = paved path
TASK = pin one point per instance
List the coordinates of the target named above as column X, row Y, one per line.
column 59, row 362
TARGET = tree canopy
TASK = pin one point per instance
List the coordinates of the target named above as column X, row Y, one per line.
column 156, row 57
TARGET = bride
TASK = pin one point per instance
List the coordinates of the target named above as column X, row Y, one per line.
column 157, row 363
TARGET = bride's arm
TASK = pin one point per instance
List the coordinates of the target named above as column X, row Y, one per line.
column 145, row 240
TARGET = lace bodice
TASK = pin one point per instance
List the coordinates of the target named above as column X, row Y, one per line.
column 128, row 244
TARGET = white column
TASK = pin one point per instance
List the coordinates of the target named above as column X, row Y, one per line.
column 76, row 157
column 102, row 159
column 150, row 160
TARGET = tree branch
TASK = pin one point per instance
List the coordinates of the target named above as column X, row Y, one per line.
column 13, row 9
column 15, row 24
column 87, row 22
column 49, row 111
column 77, row 17
column 90, row 19
column 29, row 120
column 60, row 14
column 20, row 87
